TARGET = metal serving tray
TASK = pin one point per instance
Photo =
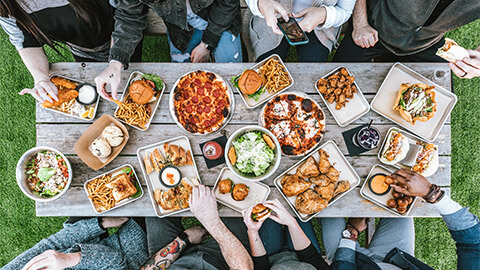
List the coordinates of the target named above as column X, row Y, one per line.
column 264, row 97
column 94, row 105
column 258, row 192
column 383, row 101
column 409, row 160
column 338, row 160
column 136, row 75
column 123, row 202
column 230, row 95
column 354, row 108
column 381, row 201
column 152, row 179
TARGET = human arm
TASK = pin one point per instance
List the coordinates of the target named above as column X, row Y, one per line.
column 304, row 248
column 204, row 207
column 257, row 249
column 268, row 9
column 164, row 258
column 345, row 255
column 469, row 67
column 363, row 34
column 130, row 21
column 325, row 16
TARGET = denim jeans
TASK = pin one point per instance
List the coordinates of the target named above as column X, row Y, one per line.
column 390, row 233
column 276, row 237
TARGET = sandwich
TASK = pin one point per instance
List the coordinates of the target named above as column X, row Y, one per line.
column 452, row 52
column 415, row 102
column 225, row 186
column 141, row 92
column 395, row 149
column 148, row 164
column 249, row 83
column 122, row 187
column 426, row 162
column 260, row 212
column 240, row 192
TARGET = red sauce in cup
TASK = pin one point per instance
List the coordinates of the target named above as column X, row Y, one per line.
column 212, row 150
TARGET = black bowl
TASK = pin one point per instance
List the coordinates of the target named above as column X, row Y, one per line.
column 78, row 90
column 370, row 185
column 166, row 184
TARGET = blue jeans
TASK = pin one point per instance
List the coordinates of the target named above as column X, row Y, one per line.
column 228, row 50
column 276, row 237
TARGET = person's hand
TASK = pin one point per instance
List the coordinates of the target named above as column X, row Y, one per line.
column 110, row 76
column 281, row 215
column 113, row 222
column 269, row 10
column 203, row 206
column 252, row 226
column 52, row 260
column 312, row 17
column 195, row 234
column 364, row 36
column 359, row 223
column 200, row 54
column 411, row 183
column 469, row 67
column 41, row 91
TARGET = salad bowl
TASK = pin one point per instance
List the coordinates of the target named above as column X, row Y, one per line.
column 256, row 147
column 22, row 176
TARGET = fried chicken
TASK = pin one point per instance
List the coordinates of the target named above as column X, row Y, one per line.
column 321, row 180
column 326, row 192
column 323, row 164
column 308, row 168
column 310, row 202
column 292, row 185
column 333, row 174
column 342, row 186
column 63, row 96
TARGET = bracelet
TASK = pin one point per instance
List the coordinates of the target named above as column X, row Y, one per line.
column 353, row 227
column 442, row 194
column 434, row 194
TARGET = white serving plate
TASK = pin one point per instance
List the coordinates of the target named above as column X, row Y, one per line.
column 261, row 120
column 338, row 160
column 354, row 108
column 381, row 201
column 229, row 93
column 257, row 193
column 265, row 96
column 123, row 202
column 152, row 179
column 384, row 100
column 94, row 105
column 136, row 75
column 407, row 162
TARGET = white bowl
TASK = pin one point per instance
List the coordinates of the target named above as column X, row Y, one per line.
column 273, row 167
column 22, row 177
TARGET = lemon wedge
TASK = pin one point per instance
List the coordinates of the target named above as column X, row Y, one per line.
column 88, row 113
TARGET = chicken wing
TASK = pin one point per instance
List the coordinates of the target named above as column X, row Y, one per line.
column 321, row 180
column 310, row 202
column 333, row 174
column 323, row 164
column 292, row 185
column 308, row 168
column 342, row 186
column 326, row 192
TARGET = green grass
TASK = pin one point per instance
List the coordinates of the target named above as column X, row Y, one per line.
column 20, row 228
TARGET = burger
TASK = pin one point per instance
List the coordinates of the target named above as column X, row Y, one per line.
column 452, row 52
column 250, row 82
column 141, row 92
column 225, row 186
column 239, row 192
column 260, row 212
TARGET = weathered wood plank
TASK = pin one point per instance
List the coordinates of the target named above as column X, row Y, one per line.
column 75, row 203
column 241, row 115
column 64, row 137
column 362, row 165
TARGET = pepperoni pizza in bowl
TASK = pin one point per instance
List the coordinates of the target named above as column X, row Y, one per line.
column 296, row 120
column 201, row 102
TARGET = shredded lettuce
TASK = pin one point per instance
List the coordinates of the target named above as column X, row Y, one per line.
column 254, row 156
column 44, row 174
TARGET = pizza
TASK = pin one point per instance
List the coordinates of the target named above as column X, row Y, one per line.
column 297, row 122
column 201, row 102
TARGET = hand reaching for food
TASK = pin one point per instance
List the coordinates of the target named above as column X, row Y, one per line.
column 468, row 67
column 270, row 9
column 53, row 260
column 110, row 76
column 43, row 90
column 281, row 216
column 203, row 206
column 411, row 183
column 312, row 17
column 252, row 226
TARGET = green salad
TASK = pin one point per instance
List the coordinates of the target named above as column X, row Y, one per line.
column 254, row 156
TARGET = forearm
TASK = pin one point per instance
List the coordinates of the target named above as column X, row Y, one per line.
column 256, row 245
column 165, row 256
column 299, row 238
column 233, row 251
column 36, row 62
column 338, row 14
column 360, row 16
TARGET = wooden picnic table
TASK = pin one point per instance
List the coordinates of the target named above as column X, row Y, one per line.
column 62, row 132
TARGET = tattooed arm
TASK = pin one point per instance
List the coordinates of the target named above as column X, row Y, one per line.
column 165, row 256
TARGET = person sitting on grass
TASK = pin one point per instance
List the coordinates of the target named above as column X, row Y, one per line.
column 274, row 246
column 174, row 248
column 408, row 31
column 85, row 244
column 392, row 245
